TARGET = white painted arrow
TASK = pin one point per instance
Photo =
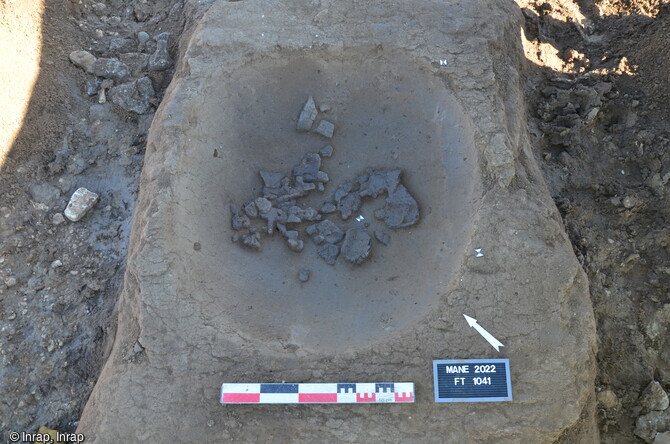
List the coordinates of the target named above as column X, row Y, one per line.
column 472, row 322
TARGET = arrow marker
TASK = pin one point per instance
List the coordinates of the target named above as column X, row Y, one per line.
column 472, row 322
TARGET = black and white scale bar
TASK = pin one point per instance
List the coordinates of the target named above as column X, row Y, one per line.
column 317, row 393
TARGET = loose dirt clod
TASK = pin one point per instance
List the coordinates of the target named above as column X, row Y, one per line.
column 303, row 275
column 356, row 246
column 329, row 253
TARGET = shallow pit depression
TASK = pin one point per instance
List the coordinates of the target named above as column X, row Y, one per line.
column 388, row 113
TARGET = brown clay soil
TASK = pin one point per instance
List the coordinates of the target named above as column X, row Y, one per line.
column 597, row 95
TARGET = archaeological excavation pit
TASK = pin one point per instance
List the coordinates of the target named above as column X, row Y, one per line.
column 388, row 114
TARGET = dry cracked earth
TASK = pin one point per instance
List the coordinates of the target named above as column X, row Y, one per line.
column 81, row 81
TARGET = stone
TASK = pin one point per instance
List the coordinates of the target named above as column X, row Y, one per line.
column 307, row 115
column 239, row 220
column 272, row 179
column 382, row 237
column 356, row 246
column 251, row 240
column 263, row 205
column 647, row 426
column 329, row 253
column 328, row 208
column 322, row 176
column 10, row 281
column 349, row 204
column 662, row 438
column 111, row 69
column 57, row 219
column 325, row 128
column 120, row 44
column 250, row 209
column 308, row 168
column 143, row 37
column 137, row 62
column 325, row 231
column 92, row 86
column 654, row 397
column 80, row 203
column 274, row 216
column 134, row 96
column 83, row 59
column 376, row 182
column 326, row 151
column 629, row 202
column 295, row 245
column 401, row 209
column 137, row 348
column 160, row 60
column 608, row 399
column 324, row 108
column 303, row 275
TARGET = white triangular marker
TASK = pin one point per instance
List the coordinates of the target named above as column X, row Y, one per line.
column 472, row 322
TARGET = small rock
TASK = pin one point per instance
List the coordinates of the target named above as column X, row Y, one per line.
column 83, row 59
column 303, row 275
column 295, row 245
column 629, row 202
column 326, row 129
column 250, row 209
column 322, row 176
column 137, row 62
column 56, row 264
column 251, row 240
column 81, row 201
column 376, row 182
column 329, row 253
column 607, row 399
column 134, row 96
column 143, row 37
column 654, row 397
column 239, row 221
column 647, row 426
column 263, row 205
column 325, row 231
column 11, row 316
column 137, row 348
column 324, row 108
column 271, row 179
column 111, row 69
column 356, row 246
column 401, row 209
column 328, row 208
column 307, row 115
column 92, row 86
column 382, row 237
column 349, row 204
column 120, row 44
column 10, row 281
column 308, row 168
column 160, row 60
column 326, row 151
